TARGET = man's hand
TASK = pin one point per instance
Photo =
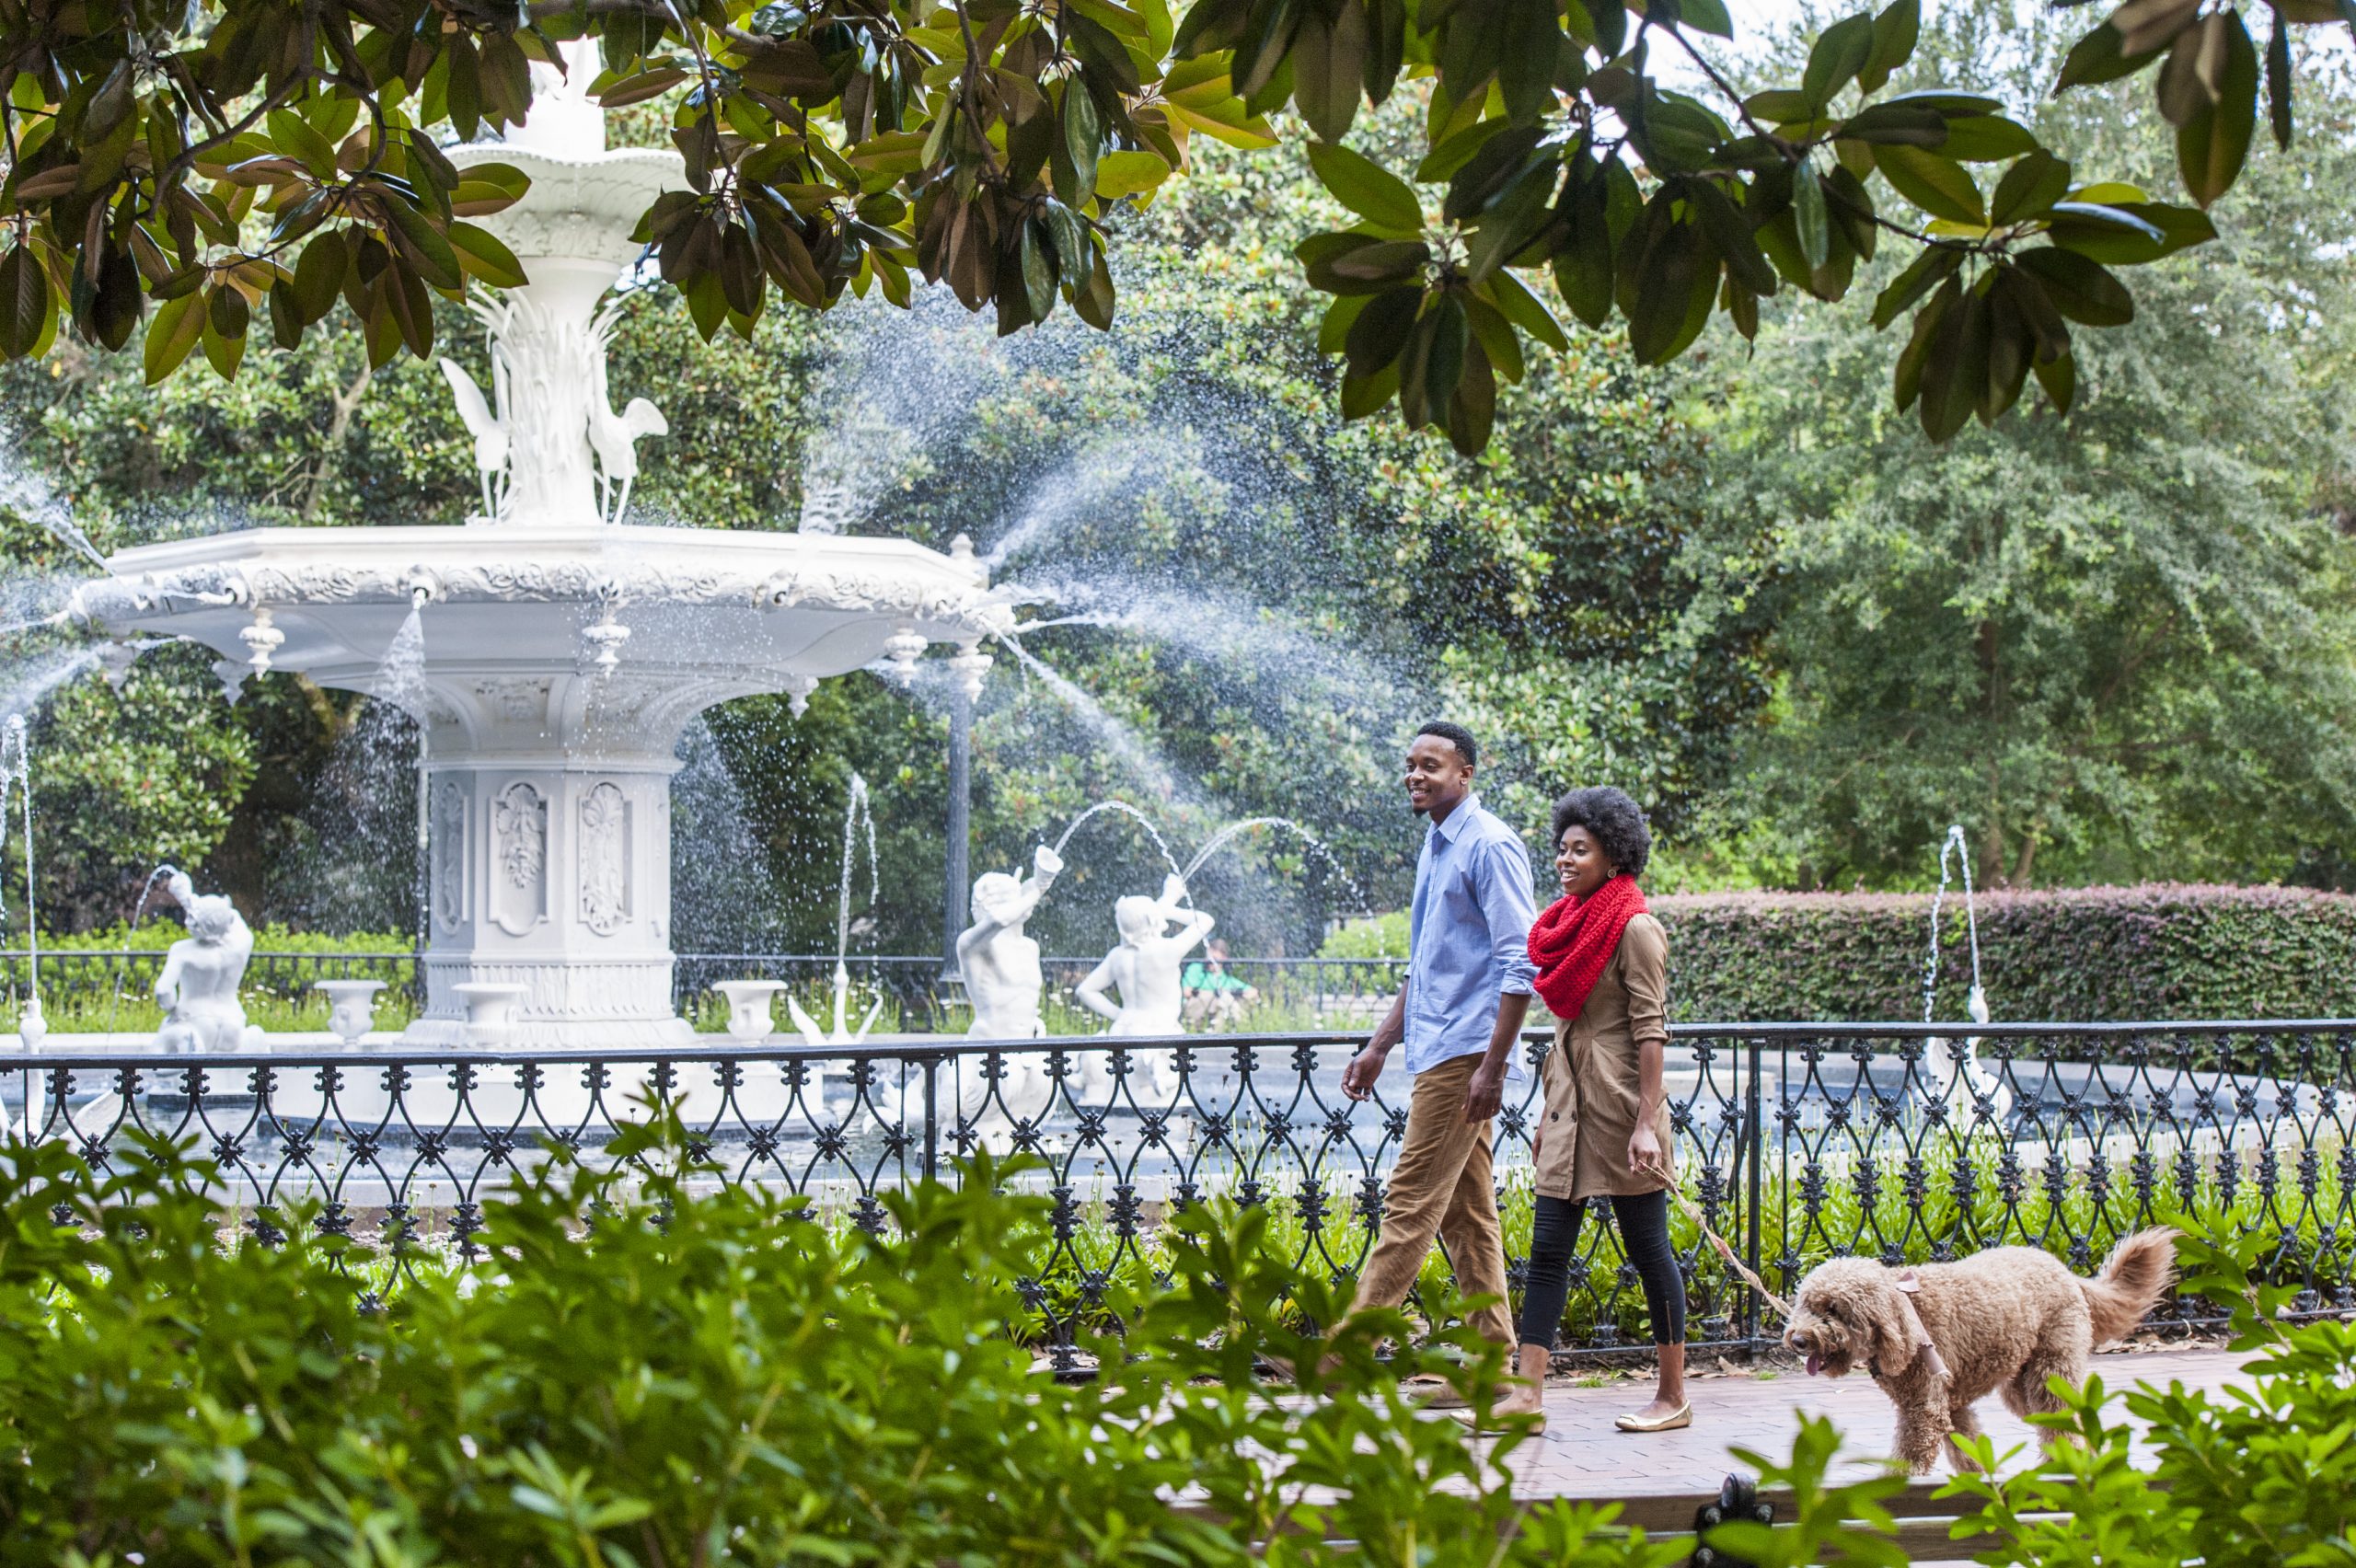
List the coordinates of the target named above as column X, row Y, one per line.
column 1357, row 1079
column 1485, row 1092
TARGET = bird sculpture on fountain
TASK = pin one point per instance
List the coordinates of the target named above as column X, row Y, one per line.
column 615, row 437
column 490, row 429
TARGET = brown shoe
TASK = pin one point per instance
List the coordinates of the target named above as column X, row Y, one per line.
column 1435, row 1394
column 1500, row 1418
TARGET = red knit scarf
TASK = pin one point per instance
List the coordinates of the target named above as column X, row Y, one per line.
column 1575, row 937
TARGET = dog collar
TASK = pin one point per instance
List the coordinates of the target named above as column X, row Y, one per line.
column 1910, row 1283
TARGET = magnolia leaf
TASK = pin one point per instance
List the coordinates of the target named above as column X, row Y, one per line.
column 2060, row 380
column 2212, row 143
column 1366, row 187
column 1896, row 31
column 1938, row 185
column 171, row 333
column 1986, row 138
column 1808, row 212
column 25, row 300
column 1934, row 266
column 2081, row 288
column 1840, row 54
column 2115, row 244
column 483, row 257
column 1524, row 309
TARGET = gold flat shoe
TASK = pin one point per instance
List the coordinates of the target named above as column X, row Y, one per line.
column 1680, row 1417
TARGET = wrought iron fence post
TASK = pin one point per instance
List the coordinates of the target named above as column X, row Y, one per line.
column 931, row 1122
column 1751, row 1133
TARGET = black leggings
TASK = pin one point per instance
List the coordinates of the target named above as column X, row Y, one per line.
column 1644, row 1236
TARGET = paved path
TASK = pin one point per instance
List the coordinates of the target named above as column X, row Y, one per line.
column 1581, row 1456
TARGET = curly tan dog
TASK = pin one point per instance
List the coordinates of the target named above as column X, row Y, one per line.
column 1938, row 1338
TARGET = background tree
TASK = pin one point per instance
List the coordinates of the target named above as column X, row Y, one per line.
column 2116, row 645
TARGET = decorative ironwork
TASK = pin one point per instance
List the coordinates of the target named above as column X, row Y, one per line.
column 1798, row 1142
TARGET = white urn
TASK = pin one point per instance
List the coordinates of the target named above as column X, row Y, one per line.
column 749, row 1007
column 31, row 1027
column 352, row 1008
column 491, row 1010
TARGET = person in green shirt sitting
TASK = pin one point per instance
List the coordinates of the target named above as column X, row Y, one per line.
column 1214, row 999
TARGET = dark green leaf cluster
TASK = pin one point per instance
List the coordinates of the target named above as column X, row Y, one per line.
column 844, row 145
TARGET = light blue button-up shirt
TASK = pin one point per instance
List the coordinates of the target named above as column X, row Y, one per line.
column 1468, row 935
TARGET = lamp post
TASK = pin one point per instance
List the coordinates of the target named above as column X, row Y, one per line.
column 961, row 807
column 971, row 667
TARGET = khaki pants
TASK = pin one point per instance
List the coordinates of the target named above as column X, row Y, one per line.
column 1441, row 1186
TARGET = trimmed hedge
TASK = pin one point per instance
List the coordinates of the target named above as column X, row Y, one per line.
column 2160, row 950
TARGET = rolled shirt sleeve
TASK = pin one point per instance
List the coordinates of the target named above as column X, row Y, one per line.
column 1643, row 970
column 1503, row 871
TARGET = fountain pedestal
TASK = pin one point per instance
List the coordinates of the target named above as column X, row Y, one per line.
column 549, row 808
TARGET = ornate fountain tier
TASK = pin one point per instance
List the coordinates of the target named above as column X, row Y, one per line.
column 553, row 670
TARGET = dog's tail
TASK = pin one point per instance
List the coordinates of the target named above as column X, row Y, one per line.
column 2132, row 1278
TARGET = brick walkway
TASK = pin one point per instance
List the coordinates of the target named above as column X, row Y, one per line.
column 1581, row 1456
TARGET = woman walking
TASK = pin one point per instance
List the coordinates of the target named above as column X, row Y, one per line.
column 1603, row 969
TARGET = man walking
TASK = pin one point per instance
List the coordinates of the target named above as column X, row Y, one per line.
column 1461, row 1014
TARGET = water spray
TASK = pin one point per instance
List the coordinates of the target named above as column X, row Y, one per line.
column 17, row 771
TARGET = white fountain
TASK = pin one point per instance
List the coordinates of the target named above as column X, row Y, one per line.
column 563, row 650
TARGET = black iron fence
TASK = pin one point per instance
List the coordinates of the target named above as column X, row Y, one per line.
column 1798, row 1142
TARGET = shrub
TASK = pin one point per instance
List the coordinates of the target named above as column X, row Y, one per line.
column 1368, row 936
column 2153, row 952
column 634, row 1369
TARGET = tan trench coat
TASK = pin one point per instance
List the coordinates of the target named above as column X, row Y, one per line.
column 1591, row 1079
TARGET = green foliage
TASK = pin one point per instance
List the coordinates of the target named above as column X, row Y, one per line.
column 641, row 1368
column 123, row 781
column 1374, row 936
column 2078, row 955
column 293, row 171
column 2116, row 645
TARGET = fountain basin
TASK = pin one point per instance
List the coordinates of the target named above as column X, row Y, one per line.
column 749, row 607
column 553, row 670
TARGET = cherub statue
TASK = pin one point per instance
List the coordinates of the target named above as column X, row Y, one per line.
column 201, row 971
column 999, row 964
column 1145, row 969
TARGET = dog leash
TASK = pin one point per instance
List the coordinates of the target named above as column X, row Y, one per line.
column 1906, row 1282
column 1693, row 1212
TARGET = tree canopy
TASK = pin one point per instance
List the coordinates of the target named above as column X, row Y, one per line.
column 2117, row 646
column 234, row 162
